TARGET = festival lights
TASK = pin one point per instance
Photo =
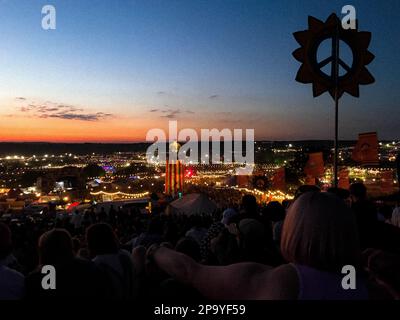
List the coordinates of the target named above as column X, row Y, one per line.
column 271, row 195
column 120, row 193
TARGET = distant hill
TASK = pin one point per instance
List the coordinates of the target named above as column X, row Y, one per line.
column 30, row 148
column 40, row 148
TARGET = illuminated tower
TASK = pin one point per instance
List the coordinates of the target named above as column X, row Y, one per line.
column 174, row 173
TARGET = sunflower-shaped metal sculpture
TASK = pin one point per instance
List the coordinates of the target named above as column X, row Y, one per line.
column 311, row 69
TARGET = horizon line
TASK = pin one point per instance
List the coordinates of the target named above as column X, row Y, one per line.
column 151, row 142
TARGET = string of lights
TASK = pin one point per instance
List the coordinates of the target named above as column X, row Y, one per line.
column 120, row 193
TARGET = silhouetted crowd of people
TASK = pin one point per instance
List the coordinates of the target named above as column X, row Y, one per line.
column 293, row 250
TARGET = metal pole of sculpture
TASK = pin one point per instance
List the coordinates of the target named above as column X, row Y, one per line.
column 335, row 74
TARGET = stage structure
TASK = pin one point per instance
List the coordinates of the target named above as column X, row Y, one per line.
column 174, row 173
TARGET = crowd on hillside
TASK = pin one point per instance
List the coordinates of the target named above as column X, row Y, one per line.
column 293, row 250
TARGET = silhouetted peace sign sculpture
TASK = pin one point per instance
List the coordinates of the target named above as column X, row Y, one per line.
column 311, row 70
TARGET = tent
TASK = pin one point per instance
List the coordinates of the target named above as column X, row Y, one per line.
column 78, row 206
column 191, row 204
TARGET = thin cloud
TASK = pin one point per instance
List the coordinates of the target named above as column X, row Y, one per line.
column 44, row 109
column 82, row 117
column 233, row 121
column 25, row 109
column 61, row 111
column 15, row 116
column 171, row 114
column 224, row 113
column 69, row 108
column 20, row 98
column 214, row 96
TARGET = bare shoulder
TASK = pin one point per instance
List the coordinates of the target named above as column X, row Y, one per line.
column 280, row 283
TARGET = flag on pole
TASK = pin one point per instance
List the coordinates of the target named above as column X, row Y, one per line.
column 344, row 181
column 315, row 165
column 387, row 181
column 310, row 181
column 242, row 180
column 278, row 179
column 366, row 150
column 398, row 168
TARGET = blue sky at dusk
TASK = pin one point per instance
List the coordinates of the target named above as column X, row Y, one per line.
column 116, row 69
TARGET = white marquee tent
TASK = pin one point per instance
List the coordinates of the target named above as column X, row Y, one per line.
column 194, row 203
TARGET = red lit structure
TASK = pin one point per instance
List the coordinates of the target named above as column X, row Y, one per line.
column 174, row 177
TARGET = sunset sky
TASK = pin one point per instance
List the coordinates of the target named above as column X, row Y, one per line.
column 112, row 70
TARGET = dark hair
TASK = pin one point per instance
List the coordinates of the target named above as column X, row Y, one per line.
column 190, row 247
column 249, row 201
column 76, row 244
column 274, row 211
column 225, row 248
column 249, row 205
column 101, row 239
column 358, row 190
column 155, row 226
column 384, row 266
column 386, row 211
column 55, row 247
column 286, row 203
column 195, row 220
column 5, row 240
column 341, row 193
column 306, row 188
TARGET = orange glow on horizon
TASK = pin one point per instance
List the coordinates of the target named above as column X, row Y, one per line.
column 59, row 130
column 120, row 129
